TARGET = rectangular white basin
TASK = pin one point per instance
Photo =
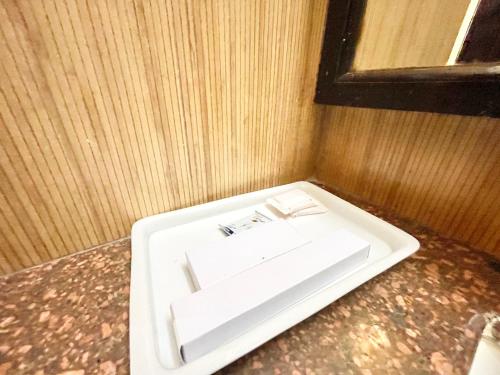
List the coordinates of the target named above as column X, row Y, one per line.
column 160, row 275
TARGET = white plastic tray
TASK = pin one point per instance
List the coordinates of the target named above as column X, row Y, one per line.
column 159, row 273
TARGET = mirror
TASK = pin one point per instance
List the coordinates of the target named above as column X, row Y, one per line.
column 425, row 33
column 416, row 55
column 408, row 33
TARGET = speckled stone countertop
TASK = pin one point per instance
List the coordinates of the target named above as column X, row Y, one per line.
column 70, row 316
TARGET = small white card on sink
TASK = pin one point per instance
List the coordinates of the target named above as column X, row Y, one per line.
column 219, row 260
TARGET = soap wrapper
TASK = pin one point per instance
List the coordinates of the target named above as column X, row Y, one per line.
column 245, row 223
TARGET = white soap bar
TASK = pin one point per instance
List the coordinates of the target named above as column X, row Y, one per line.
column 296, row 203
column 229, row 256
column 213, row 316
column 292, row 201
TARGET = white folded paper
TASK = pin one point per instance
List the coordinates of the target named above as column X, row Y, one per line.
column 229, row 256
column 223, row 311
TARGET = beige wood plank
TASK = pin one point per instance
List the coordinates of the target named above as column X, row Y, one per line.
column 118, row 110
column 439, row 170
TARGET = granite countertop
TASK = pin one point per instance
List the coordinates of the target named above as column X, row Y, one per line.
column 70, row 316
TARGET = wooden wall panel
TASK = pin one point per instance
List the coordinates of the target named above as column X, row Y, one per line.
column 408, row 33
column 114, row 110
column 440, row 170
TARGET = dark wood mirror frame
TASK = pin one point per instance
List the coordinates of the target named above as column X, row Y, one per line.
column 469, row 89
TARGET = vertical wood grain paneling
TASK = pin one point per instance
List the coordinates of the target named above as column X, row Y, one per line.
column 114, row 110
column 408, row 33
column 440, row 170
